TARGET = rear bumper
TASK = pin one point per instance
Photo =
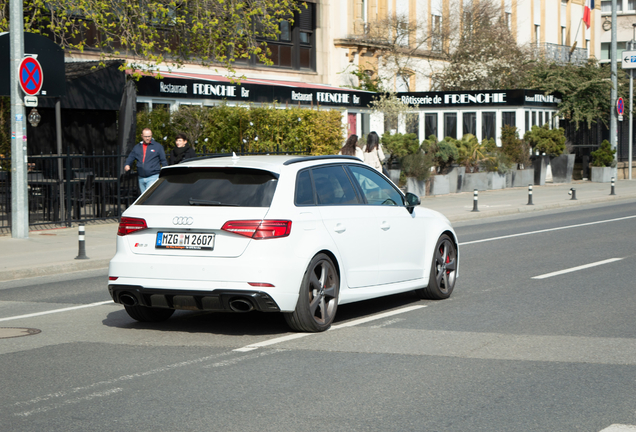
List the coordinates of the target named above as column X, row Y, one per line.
column 215, row 301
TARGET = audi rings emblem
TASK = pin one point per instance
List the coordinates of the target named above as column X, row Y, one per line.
column 182, row 220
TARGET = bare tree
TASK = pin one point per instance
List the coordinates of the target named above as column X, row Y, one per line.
column 486, row 55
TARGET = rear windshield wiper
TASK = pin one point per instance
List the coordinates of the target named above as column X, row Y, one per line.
column 200, row 202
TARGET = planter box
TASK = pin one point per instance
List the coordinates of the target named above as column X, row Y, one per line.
column 602, row 174
column 474, row 181
column 496, row 180
column 456, row 177
column 540, row 164
column 394, row 175
column 416, row 187
column 522, row 178
column 440, row 184
column 562, row 168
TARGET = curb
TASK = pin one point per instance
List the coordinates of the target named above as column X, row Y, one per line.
column 53, row 269
column 535, row 208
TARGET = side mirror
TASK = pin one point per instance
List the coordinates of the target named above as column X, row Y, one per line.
column 412, row 200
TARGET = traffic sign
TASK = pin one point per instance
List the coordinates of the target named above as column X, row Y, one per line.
column 620, row 106
column 628, row 60
column 31, row 76
column 30, row 101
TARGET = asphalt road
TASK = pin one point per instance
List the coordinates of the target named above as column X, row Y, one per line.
column 538, row 336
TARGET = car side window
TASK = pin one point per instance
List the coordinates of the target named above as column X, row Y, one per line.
column 304, row 191
column 375, row 188
column 333, row 186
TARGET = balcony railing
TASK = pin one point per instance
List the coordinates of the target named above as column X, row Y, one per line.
column 561, row 54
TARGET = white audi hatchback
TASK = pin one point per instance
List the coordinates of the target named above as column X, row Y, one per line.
column 290, row 234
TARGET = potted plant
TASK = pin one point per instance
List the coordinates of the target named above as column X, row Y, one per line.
column 416, row 167
column 443, row 154
column 547, row 143
column 397, row 146
column 521, row 173
column 473, row 155
column 603, row 163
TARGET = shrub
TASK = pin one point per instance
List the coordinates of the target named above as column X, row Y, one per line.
column 417, row 165
column 399, row 145
column 604, row 155
column 546, row 140
column 444, row 152
column 472, row 153
column 517, row 150
column 224, row 129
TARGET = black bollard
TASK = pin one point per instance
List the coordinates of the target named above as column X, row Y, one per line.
column 612, row 193
column 530, row 195
column 475, row 198
column 82, row 247
column 572, row 192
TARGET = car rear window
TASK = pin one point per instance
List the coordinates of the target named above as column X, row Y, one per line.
column 242, row 187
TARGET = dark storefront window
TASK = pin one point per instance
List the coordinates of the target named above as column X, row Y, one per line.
column 450, row 125
column 509, row 119
column 488, row 125
column 534, row 118
column 430, row 125
column 527, row 120
column 469, row 123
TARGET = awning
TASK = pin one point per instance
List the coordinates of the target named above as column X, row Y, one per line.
column 185, row 85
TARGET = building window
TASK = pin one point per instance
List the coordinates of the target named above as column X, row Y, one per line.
column 534, row 118
column 469, row 123
column 606, row 50
column 413, row 123
column 430, row 125
column 606, row 6
column 563, row 35
column 527, row 121
column 631, row 5
column 537, row 34
column 436, row 30
column 450, row 125
column 509, row 119
column 402, row 83
column 488, row 125
column 295, row 46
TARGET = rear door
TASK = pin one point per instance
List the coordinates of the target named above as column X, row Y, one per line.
column 349, row 223
column 397, row 233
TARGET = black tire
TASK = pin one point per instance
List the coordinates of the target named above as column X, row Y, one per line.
column 318, row 299
column 148, row 314
column 443, row 271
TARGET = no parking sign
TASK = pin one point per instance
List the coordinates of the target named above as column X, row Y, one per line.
column 30, row 76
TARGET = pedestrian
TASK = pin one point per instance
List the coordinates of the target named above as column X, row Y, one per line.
column 150, row 158
column 372, row 151
column 182, row 151
column 351, row 148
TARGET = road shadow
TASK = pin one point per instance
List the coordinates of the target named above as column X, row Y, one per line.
column 253, row 323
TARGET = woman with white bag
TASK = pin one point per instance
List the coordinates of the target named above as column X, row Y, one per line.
column 373, row 154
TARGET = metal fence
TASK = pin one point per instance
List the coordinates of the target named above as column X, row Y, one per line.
column 72, row 188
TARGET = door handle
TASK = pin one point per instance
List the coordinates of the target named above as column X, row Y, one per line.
column 385, row 225
column 340, row 228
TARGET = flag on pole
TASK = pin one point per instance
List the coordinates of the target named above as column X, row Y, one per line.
column 587, row 12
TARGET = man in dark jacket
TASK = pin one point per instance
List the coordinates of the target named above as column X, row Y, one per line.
column 150, row 157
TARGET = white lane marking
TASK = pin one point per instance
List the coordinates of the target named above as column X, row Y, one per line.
column 619, row 428
column 56, row 311
column 236, row 360
column 573, row 269
column 120, row 379
column 70, row 402
column 336, row 327
column 547, row 230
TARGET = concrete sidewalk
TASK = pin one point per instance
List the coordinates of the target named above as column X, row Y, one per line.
column 53, row 251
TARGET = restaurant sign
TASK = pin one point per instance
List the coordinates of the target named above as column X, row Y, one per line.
column 195, row 89
column 490, row 98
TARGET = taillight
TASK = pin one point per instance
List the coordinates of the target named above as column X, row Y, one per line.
column 129, row 225
column 259, row 229
column 113, row 278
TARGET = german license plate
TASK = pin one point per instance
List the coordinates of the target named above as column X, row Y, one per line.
column 191, row 241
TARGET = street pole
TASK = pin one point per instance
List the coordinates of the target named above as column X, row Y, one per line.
column 19, row 191
column 631, row 105
column 614, row 93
